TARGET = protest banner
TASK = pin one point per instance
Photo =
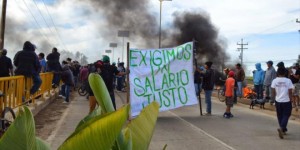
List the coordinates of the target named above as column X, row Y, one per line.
column 162, row 75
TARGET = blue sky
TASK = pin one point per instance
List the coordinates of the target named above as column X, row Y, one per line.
column 269, row 26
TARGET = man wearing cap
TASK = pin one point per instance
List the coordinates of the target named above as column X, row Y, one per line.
column 5, row 64
column 208, row 85
column 107, row 72
column 270, row 75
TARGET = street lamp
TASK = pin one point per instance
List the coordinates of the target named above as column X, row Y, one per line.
column 123, row 33
column 113, row 45
column 159, row 42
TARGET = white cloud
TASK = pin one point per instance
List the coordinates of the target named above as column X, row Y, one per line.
column 78, row 24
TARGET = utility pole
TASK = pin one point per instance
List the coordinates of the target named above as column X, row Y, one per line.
column 159, row 40
column 3, row 17
column 242, row 50
column 298, row 21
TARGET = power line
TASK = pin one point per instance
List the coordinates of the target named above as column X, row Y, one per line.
column 45, row 36
column 54, row 26
column 44, row 18
column 268, row 29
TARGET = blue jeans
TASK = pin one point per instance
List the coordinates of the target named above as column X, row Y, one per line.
column 208, row 100
column 65, row 91
column 259, row 91
column 120, row 83
column 75, row 81
column 56, row 76
column 239, row 91
column 112, row 96
column 284, row 111
column 36, row 83
column 198, row 88
column 269, row 94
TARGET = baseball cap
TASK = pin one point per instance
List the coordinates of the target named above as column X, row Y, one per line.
column 231, row 74
column 105, row 59
column 270, row 62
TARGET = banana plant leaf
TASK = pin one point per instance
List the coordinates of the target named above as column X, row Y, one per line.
column 101, row 93
column 21, row 134
column 99, row 132
column 143, row 126
column 95, row 113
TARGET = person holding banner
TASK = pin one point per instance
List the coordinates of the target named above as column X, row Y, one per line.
column 208, row 85
column 198, row 81
column 107, row 72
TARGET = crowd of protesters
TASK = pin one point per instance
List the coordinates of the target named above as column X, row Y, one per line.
column 280, row 87
column 68, row 73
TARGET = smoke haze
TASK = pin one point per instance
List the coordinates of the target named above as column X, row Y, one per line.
column 134, row 15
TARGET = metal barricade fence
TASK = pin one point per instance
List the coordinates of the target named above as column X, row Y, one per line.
column 16, row 90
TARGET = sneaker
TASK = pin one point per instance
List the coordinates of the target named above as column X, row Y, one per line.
column 61, row 96
column 230, row 115
column 226, row 116
column 207, row 114
column 65, row 102
column 280, row 133
column 54, row 86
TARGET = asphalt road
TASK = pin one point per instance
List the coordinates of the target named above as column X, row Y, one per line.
column 185, row 129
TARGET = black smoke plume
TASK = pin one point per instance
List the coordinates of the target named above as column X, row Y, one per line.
column 132, row 15
column 191, row 26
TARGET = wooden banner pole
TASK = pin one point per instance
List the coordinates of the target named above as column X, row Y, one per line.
column 196, row 65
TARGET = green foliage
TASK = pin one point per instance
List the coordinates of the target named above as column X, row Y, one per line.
column 101, row 93
column 103, row 129
column 21, row 134
column 142, row 127
column 99, row 132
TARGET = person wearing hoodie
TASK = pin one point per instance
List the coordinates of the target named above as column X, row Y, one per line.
column 27, row 64
column 68, row 81
column 269, row 77
column 258, row 80
column 53, row 65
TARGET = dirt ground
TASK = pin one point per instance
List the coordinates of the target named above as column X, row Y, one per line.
column 47, row 119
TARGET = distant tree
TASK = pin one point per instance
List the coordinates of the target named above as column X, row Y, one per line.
column 84, row 60
column 77, row 55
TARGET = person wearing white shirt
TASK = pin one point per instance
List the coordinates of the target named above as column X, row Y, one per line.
column 282, row 89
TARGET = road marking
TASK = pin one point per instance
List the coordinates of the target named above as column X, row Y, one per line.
column 202, row 131
column 59, row 124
